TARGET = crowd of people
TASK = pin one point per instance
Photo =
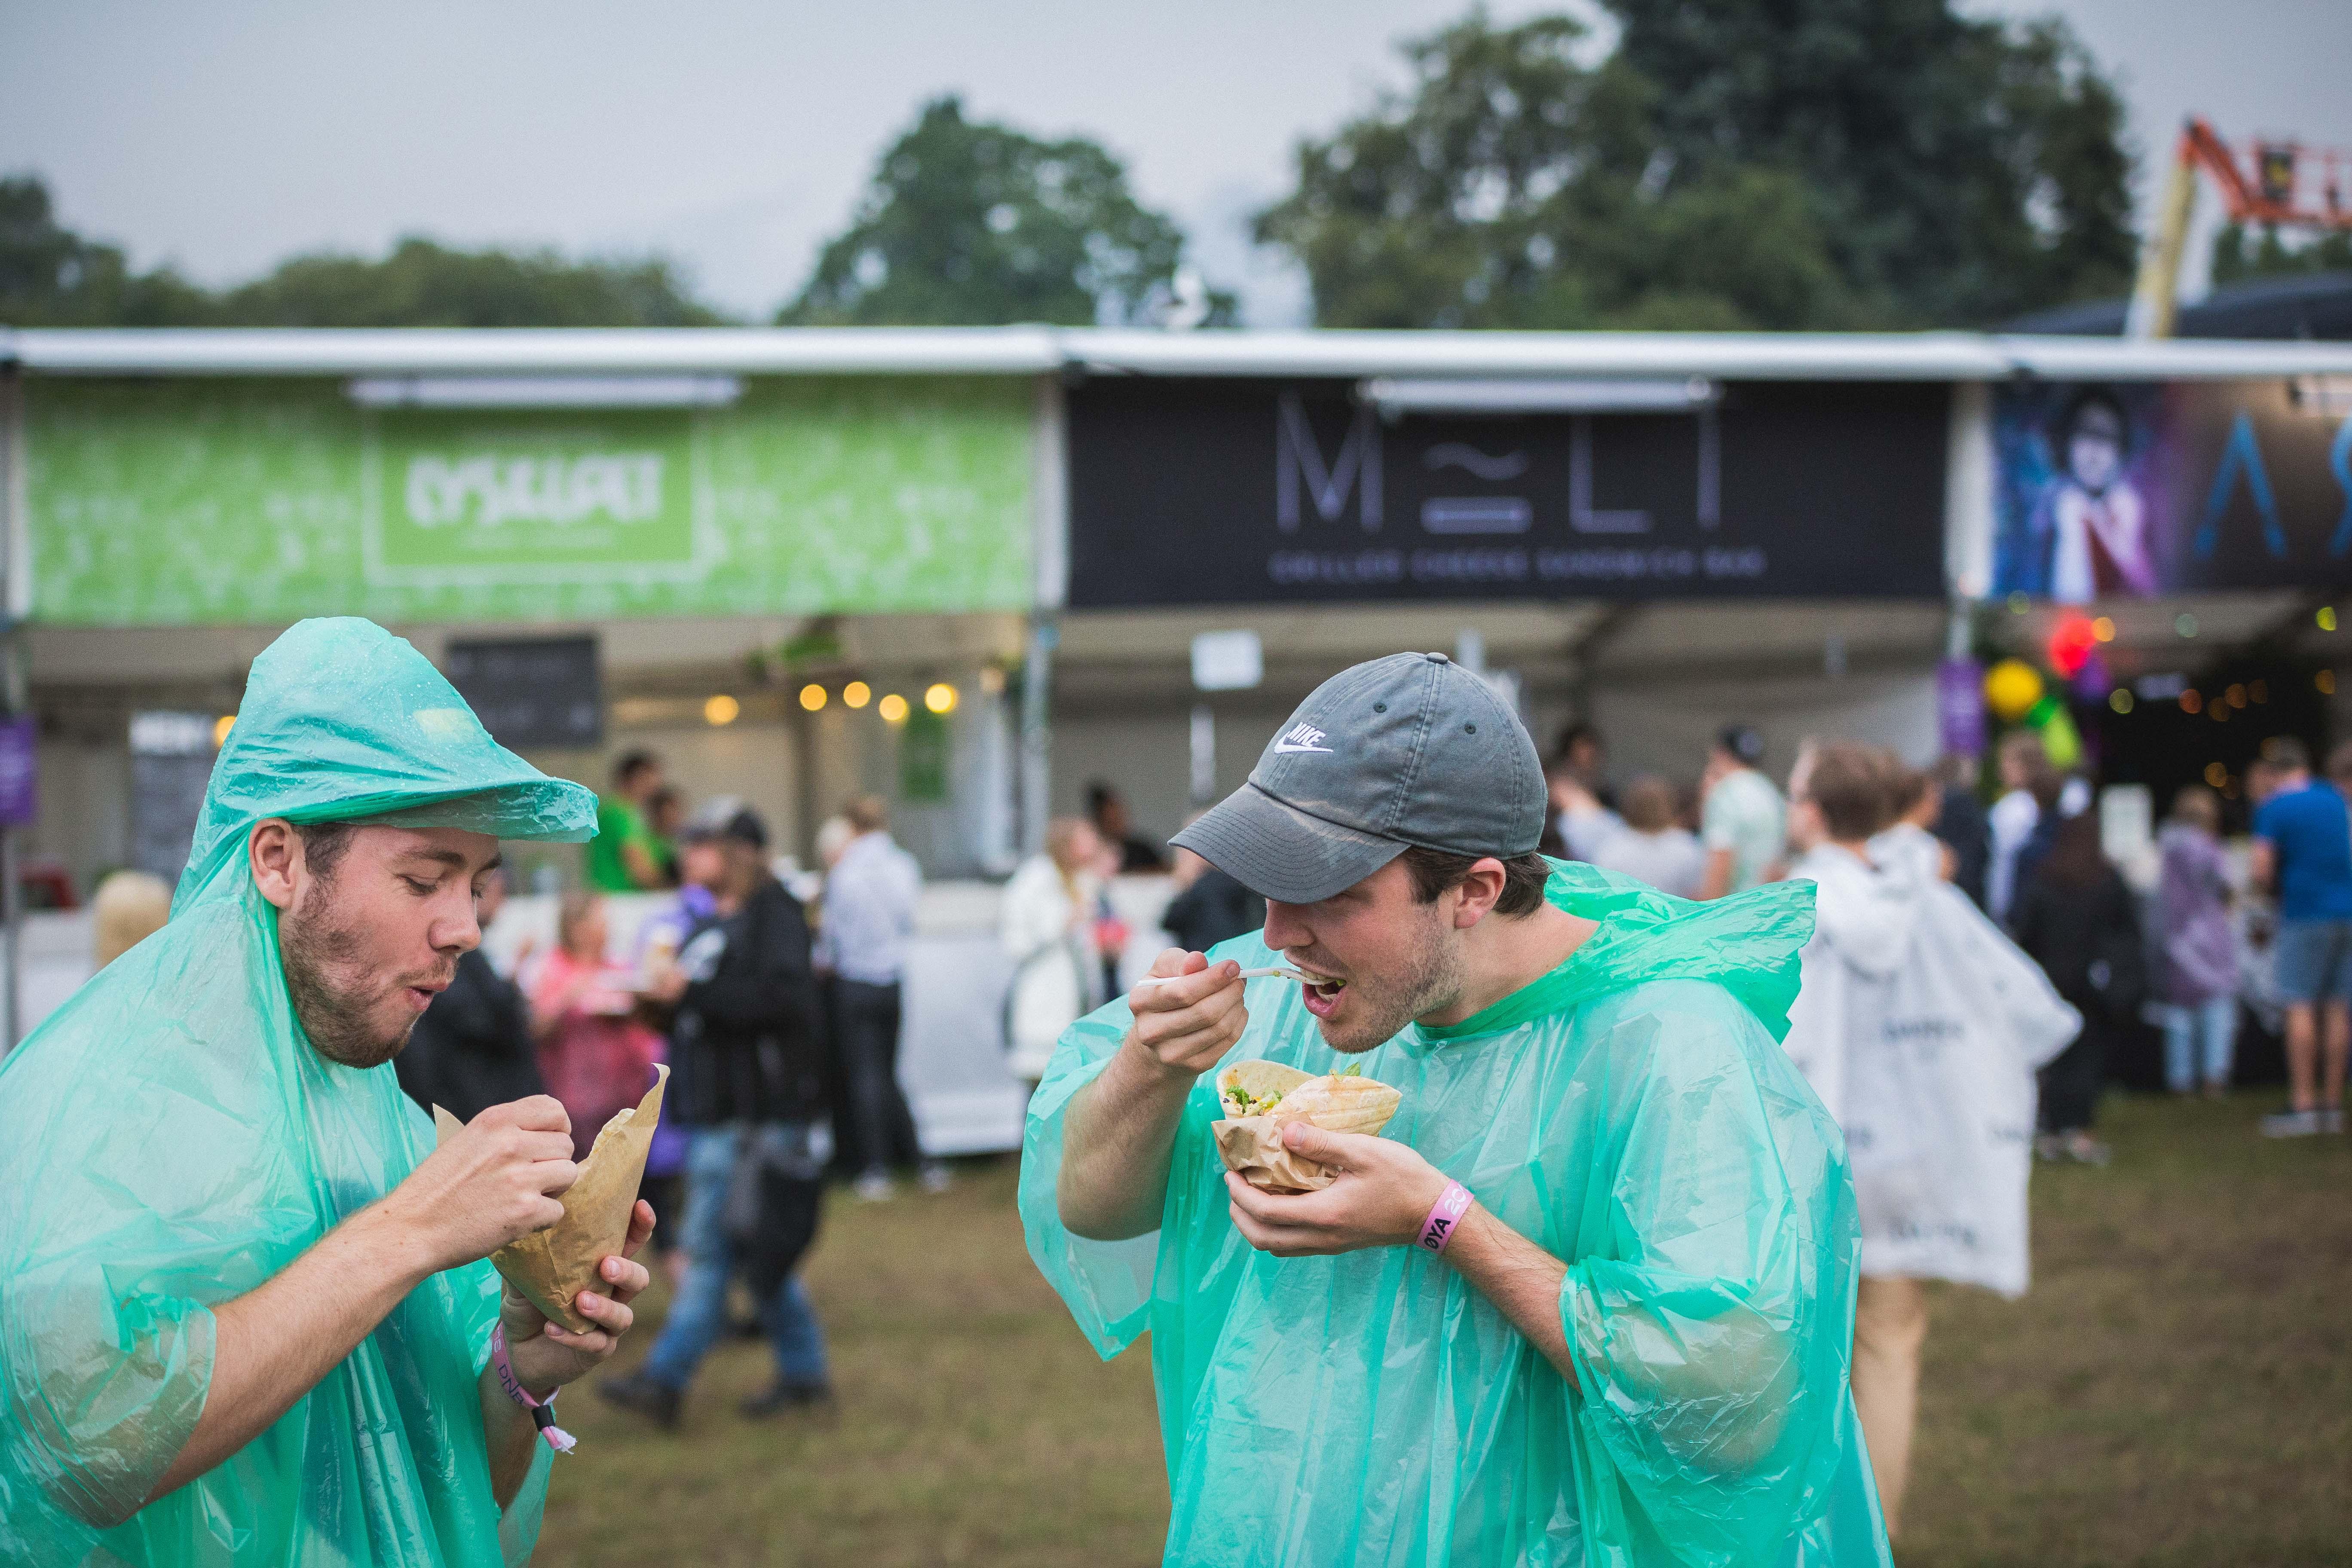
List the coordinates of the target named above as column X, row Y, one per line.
column 781, row 1019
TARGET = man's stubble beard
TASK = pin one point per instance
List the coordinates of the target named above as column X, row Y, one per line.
column 313, row 947
column 1431, row 982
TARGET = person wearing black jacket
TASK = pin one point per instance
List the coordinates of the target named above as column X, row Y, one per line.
column 1210, row 906
column 2074, row 917
column 750, row 1089
column 472, row 1050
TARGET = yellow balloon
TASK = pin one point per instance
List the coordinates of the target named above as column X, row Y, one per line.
column 2010, row 688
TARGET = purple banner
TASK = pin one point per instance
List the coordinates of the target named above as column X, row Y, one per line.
column 1959, row 707
column 19, row 778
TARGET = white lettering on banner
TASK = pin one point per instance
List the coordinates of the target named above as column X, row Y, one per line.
column 490, row 492
column 1299, row 460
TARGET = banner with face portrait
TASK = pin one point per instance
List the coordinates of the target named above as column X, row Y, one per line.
column 2127, row 490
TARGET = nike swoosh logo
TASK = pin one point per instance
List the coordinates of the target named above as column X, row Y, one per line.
column 1281, row 747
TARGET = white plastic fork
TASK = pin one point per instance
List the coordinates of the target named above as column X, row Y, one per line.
column 1279, row 969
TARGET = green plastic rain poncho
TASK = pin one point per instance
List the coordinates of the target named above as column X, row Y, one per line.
column 1631, row 1114
column 169, row 1141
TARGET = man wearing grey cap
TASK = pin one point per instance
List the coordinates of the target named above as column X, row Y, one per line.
column 1589, row 1296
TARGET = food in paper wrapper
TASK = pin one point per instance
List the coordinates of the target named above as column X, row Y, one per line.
column 553, row 1266
column 1258, row 1097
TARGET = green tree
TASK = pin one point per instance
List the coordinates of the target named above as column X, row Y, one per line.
column 50, row 276
column 1511, row 186
column 1884, row 165
column 421, row 284
column 972, row 224
column 1960, row 171
column 2239, row 256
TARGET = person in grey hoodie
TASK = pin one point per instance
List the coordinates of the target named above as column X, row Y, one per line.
column 2198, row 996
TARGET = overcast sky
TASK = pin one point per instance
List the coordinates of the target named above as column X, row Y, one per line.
column 735, row 136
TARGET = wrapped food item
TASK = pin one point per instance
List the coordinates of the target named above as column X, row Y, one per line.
column 1258, row 1097
column 553, row 1266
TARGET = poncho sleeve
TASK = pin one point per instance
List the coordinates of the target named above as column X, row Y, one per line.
column 1106, row 1284
column 1176, row 1282
column 1710, row 1320
column 126, row 1223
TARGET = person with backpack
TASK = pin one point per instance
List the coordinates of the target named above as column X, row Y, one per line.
column 2076, row 917
column 745, row 1046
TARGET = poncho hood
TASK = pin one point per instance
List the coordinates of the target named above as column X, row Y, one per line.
column 343, row 721
column 1866, row 916
column 1747, row 943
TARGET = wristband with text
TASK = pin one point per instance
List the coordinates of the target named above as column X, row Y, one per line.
column 542, row 1411
column 1444, row 1215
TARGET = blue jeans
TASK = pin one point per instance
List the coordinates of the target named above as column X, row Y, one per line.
column 2314, row 962
column 699, row 1314
column 2211, row 1023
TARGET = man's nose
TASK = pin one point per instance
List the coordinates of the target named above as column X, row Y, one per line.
column 1284, row 929
column 457, row 927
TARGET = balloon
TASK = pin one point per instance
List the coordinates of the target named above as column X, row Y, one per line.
column 2010, row 688
column 2061, row 741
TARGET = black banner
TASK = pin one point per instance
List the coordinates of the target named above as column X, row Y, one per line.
column 1222, row 492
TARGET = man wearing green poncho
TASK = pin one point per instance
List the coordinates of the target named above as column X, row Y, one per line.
column 246, row 1314
column 1588, row 1296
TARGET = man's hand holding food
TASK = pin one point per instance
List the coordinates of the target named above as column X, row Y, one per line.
column 497, row 1182
column 1382, row 1194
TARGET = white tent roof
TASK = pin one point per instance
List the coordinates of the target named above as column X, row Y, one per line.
column 1033, row 350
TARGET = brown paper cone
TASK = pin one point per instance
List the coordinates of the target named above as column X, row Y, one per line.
column 1252, row 1146
column 553, row 1266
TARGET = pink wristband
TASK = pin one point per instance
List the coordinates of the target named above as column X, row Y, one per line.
column 1444, row 1215
column 542, row 1411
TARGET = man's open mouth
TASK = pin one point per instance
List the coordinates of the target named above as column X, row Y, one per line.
column 1321, row 991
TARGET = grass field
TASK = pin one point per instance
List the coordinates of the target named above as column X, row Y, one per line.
column 2176, row 1389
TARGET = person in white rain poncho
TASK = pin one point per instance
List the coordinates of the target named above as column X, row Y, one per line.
column 1920, row 1025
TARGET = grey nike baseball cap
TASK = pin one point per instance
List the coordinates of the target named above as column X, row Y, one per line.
column 1397, row 752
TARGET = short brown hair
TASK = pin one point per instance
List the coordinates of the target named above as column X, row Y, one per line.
column 1434, row 870
column 1848, row 785
column 867, row 814
column 323, row 846
column 1649, row 805
column 2287, row 753
column 2198, row 805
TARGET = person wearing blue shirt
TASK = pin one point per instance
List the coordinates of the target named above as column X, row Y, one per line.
column 2302, row 850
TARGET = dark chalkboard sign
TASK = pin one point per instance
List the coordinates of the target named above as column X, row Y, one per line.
column 171, row 767
column 532, row 692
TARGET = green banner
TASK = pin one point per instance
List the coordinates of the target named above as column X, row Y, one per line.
column 180, row 502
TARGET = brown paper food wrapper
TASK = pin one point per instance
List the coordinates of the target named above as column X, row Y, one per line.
column 1252, row 1146
column 550, row 1267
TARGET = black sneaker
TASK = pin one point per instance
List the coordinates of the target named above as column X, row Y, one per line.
column 656, row 1400
column 782, row 1394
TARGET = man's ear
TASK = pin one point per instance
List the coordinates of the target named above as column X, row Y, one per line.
column 275, row 850
column 1478, row 889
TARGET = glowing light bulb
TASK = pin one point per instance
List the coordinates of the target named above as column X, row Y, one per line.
column 856, row 694
column 893, row 708
column 722, row 710
column 221, row 727
column 812, row 697
column 941, row 698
